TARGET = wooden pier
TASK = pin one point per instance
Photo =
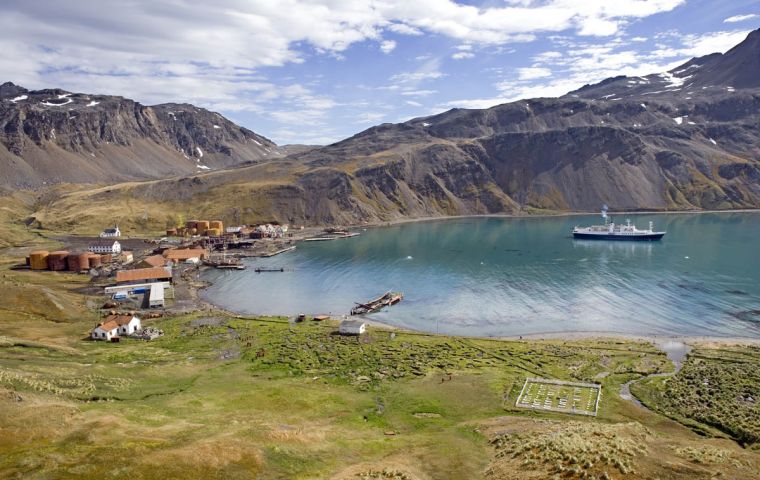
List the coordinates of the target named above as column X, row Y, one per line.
column 272, row 254
column 333, row 236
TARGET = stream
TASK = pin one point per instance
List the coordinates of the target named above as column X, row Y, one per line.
column 676, row 352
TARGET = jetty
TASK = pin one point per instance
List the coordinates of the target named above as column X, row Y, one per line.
column 385, row 300
column 272, row 254
column 331, row 234
column 225, row 263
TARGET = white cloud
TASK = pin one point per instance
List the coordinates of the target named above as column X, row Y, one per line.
column 699, row 45
column 369, row 117
column 208, row 52
column 404, row 29
column 462, row 55
column 741, row 18
column 582, row 63
column 429, row 70
column 413, row 104
column 473, row 103
column 415, row 77
column 387, row 46
column 531, row 73
column 418, row 93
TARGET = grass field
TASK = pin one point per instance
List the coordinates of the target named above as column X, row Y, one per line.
column 557, row 396
column 229, row 397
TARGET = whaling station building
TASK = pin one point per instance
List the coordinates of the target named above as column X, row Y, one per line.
column 115, row 325
column 113, row 248
column 144, row 275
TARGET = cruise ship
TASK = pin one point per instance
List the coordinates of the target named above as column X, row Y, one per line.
column 612, row 231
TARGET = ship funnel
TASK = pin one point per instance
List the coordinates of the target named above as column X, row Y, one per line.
column 604, row 211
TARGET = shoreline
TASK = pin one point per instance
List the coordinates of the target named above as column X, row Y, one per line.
column 401, row 221
column 556, row 335
column 572, row 336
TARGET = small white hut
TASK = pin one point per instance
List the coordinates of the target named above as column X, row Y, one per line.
column 352, row 327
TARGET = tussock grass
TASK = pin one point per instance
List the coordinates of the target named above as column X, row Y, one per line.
column 719, row 388
column 572, row 449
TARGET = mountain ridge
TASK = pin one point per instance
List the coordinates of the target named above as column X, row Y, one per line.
column 677, row 140
column 52, row 136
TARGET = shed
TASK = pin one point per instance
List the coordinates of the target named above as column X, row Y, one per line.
column 152, row 262
column 143, row 275
column 183, row 254
column 156, row 298
column 352, row 327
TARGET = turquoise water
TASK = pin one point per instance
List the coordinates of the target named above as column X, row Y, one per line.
column 505, row 276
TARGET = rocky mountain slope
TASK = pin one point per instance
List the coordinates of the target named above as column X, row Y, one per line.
column 54, row 136
column 684, row 139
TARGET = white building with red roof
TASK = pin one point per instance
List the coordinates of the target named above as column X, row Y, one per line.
column 116, row 325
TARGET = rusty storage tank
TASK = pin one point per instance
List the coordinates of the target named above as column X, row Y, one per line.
column 202, row 225
column 94, row 261
column 217, row 224
column 107, row 258
column 38, row 260
column 171, row 232
column 57, row 260
column 191, row 224
column 78, row 261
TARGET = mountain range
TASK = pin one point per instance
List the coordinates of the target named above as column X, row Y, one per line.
column 683, row 139
column 53, row 136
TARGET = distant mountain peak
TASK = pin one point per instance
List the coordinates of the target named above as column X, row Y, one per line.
column 8, row 89
column 53, row 136
column 713, row 74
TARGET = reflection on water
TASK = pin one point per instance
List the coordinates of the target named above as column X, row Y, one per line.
column 493, row 276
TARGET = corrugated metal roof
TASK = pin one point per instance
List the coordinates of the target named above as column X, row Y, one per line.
column 114, row 321
column 184, row 254
column 155, row 260
column 155, row 273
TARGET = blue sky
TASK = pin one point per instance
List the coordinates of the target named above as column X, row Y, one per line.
column 308, row 71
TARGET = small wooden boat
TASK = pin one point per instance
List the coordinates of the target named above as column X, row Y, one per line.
column 387, row 299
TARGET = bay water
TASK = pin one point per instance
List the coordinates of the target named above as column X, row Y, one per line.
column 486, row 276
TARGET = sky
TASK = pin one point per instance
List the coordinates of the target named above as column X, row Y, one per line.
column 317, row 71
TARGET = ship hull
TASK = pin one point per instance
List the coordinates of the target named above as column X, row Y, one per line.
column 646, row 237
